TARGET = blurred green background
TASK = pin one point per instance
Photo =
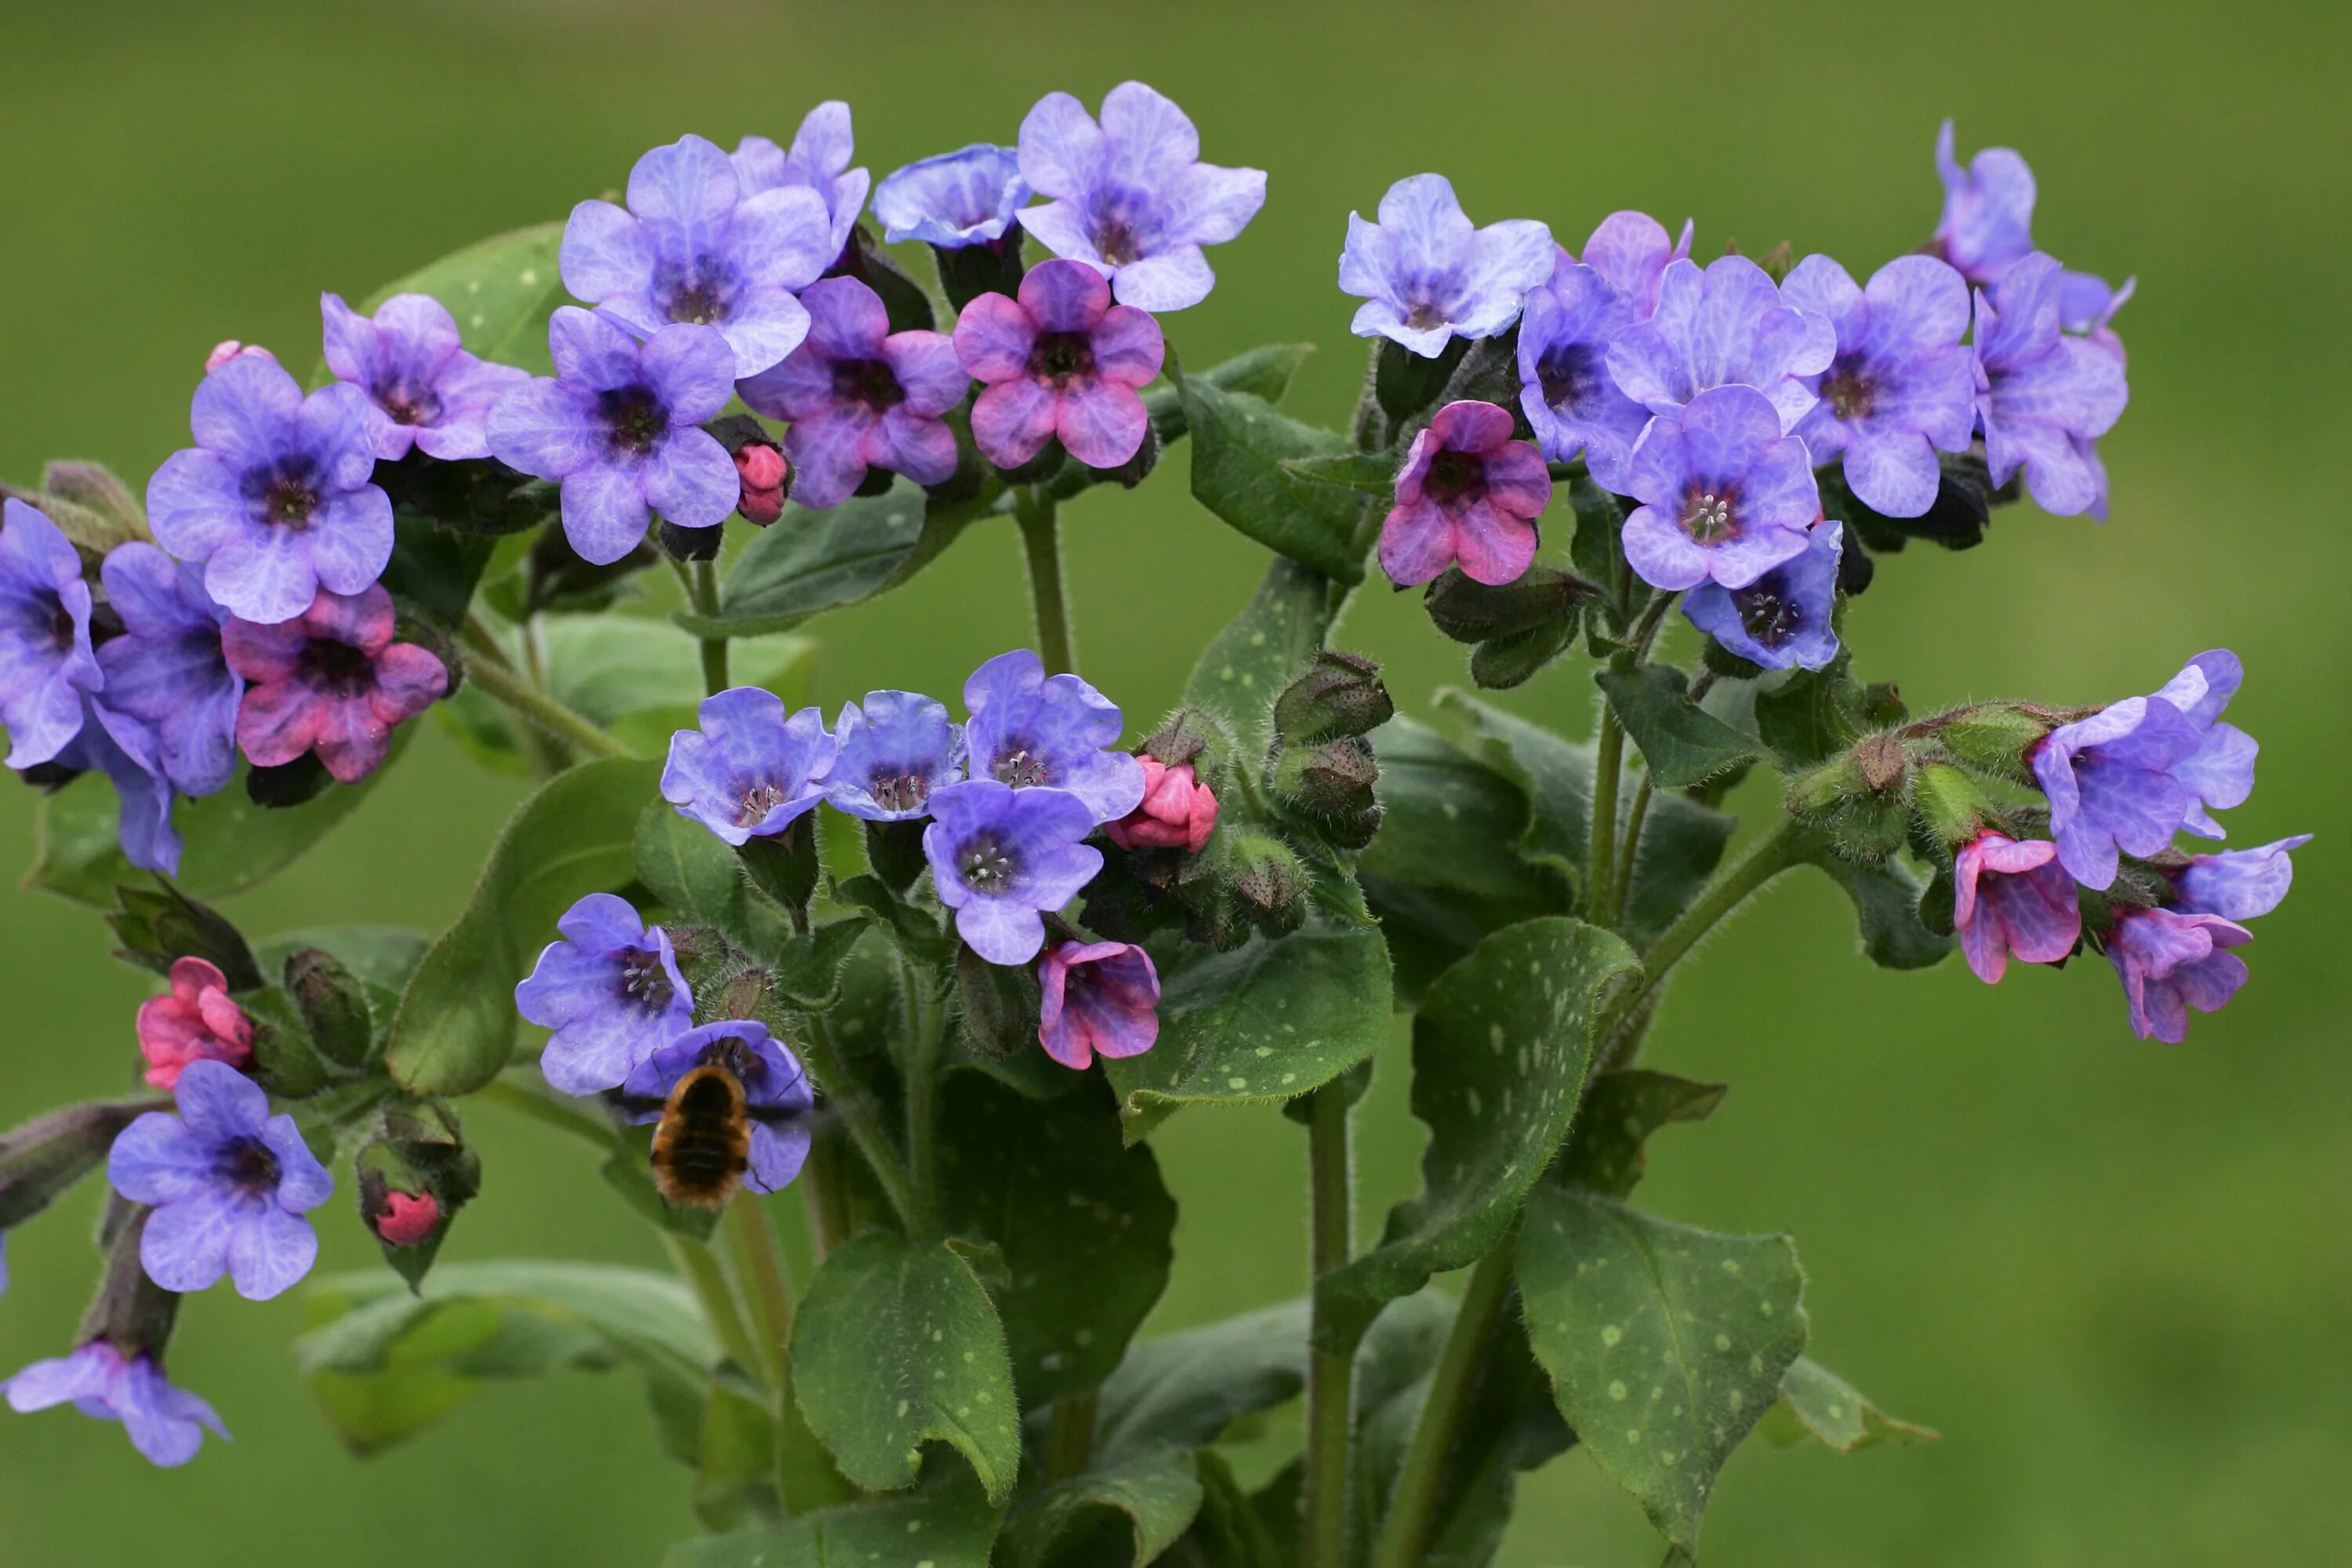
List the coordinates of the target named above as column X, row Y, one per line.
column 2115, row 1274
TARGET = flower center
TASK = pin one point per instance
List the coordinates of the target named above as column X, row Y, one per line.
column 1060, row 358
column 247, row 1164
column 403, row 405
column 899, row 791
column 1568, row 373
column 1849, row 389
column 1424, row 314
column 644, row 981
column 337, row 668
column 866, row 381
column 757, row 801
column 1020, row 765
column 985, row 865
column 1769, row 613
column 1455, row 477
column 700, row 302
column 1708, row 516
column 635, row 422
column 61, row 627
column 287, row 503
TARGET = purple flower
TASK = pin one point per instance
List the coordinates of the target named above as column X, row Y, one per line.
column 2045, row 398
column 2171, row 961
column 1783, row 620
column 1724, row 494
column 1725, row 326
column 749, row 772
column 610, row 990
column 1427, row 274
column 2240, row 884
column 1131, row 198
column 1029, row 730
column 2128, row 777
column 423, row 390
column 1059, row 360
column 1901, row 388
column 124, row 750
column 46, row 664
column 229, row 1183
column 860, row 396
column 1467, row 495
column 1630, row 251
column 1565, row 389
column 167, row 670
column 891, row 754
column 618, row 424
column 696, row 246
column 332, row 682
column 1987, row 227
column 274, row 498
column 774, row 1086
column 960, row 198
column 166, row 1425
column 817, row 161
column 1098, row 998
column 2010, row 896
column 999, row 855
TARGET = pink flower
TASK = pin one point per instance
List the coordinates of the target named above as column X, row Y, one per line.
column 2171, row 961
column 1100, row 998
column 1059, row 360
column 196, row 1020
column 764, row 471
column 330, row 680
column 1178, row 812
column 407, row 1218
column 2011, row 897
column 228, row 349
column 1467, row 494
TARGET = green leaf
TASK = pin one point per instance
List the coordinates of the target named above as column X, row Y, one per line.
column 735, row 1475
column 1682, row 743
column 1228, row 1532
column 1499, row 1052
column 502, row 290
column 1597, row 554
column 1239, row 446
column 1666, row 1344
column 1621, row 1109
column 1816, row 1402
column 946, row 1523
column 1810, row 714
column 1374, row 473
column 810, row 561
column 1247, row 665
column 1084, row 1223
column 382, row 956
column 457, row 1023
column 1266, row 1021
column 1129, row 1511
column 1886, row 907
column 896, row 1345
column 699, row 880
column 1263, row 372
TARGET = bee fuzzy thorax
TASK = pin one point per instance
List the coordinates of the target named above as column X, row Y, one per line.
column 702, row 1145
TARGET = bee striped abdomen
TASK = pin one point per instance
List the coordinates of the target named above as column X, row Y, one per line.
column 702, row 1145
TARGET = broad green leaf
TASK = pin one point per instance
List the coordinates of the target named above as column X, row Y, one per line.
column 502, row 290
column 379, row 955
column 1605, row 1152
column 946, row 1523
column 1374, row 473
column 1810, row 714
column 1816, row 1402
column 735, row 1473
column 896, row 1345
column 1666, row 1344
column 699, row 880
column 1682, row 743
column 1261, row 650
column 1228, row 1532
column 1082, row 1220
column 1126, row 1513
column 1267, row 1021
column 810, row 561
column 457, row 1023
column 1886, row 907
column 1263, row 373
column 1239, row 446
column 1499, row 1052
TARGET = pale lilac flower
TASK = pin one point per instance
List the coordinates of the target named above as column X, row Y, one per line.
column 954, row 200
column 1784, row 619
column 2170, row 963
column 331, row 681
column 1724, row 494
column 2043, row 397
column 1630, row 251
column 2011, row 897
column 1030, row 731
column 1099, row 998
column 423, row 390
column 1467, row 495
column 165, row 1424
column 818, row 161
column 168, row 670
column 891, row 754
column 610, row 990
column 2239, row 884
column 750, row 770
column 775, row 1090
column 1725, row 326
column 46, row 664
column 1059, row 360
column 1565, row 389
column 1986, row 227
column 1427, row 274
column 125, row 750
column 999, row 855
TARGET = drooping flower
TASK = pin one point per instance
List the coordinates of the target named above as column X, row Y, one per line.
column 1784, row 619
column 1426, row 274
column 1571, row 403
column 610, row 990
column 2240, row 884
column 2044, row 398
column 46, row 664
column 697, row 246
column 1131, row 198
column 891, row 754
column 1178, row 811
column 1059, row 360
column 196, row 1020
column 860, row 396
column 1029, row 730
column 332, row 682
column 1901, row 388
column 953, row 200
column 774, row 1086
column 619, row 425
column 1098, row 998
column 1725, row 326
column 1986, row 227
column 274, row 500
column 1000, row 855
column 2128, row 777
column 229, row 1183
column 423, row 390
column 750, row 770
column 168, row 670
column 1725, row 495
column 2170, row 963
column 124, row 750
column 2011, row 897
column 165, row 1424
column 818, row 161
column 1467, row 495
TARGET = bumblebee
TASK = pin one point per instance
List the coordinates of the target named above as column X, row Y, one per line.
column 702, row 1143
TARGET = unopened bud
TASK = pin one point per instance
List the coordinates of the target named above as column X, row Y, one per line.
column 1993, row 738
column 1269, row 885
column 1192, row 736
column 1950, row 802
column 228, row 349
column 407, row 1218
column 331, row 1004
column 1340, row 696
column 414, row 1175
column 765, row 475
column 1178, row 812
column 1332, row 780
column 1471, row 612
column 1881, row 760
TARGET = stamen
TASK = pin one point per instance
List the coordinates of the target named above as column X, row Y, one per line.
column 985, row 865
column 1020, row 765
column 757, row 801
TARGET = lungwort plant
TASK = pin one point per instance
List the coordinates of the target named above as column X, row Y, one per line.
column 919, row 978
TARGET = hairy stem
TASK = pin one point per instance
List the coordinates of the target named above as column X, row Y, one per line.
column 1331, row 1374
column 500, row 684
column 1642, row 795
column 520, row 1094
column 702, row 585
column 760, row 1276
column 698, row 1267
column 925, row 1020
column 1763, row 861
column 848, row 1101
column 1070, row 1434
column 1405, row 1532
column 1600, row 846
column 1041, row 539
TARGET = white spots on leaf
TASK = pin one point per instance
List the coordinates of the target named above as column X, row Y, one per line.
column 1738, row 1401
column 1616, row 1391
column 1723, row 1342
column 1731, row 1265
column 530, row 277
column 1236, row 1083
column 1611, row 1333
column 1494, row 1037
column 903, row 1408
column 1471, row 1099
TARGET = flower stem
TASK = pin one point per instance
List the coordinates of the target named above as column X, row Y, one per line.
column 702, row 583
column 1070, row 1434
column 1041, row 538
column 500, row 684
column 856, row 1113
column 1331, row 1374
column 760, row 1276
column 1642, row 795
column 698, row 1267
column 1769, row 856
column 513, row 1089
column 1600, row 846
column 925, row 1020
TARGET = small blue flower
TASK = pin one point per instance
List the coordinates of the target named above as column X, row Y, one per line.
column 1029, row 732
column 166, row 1425
column 1986, row 227
column 2239, row 884
column 610, row 990
column 2045, row 398
column 1427, row 274
column 423, row 390
column 1565, row 390
column 1781, row 620
column 893, row 753
column 1725, row 326
column 124, row 750
column 1724, row 494
column 999, row 855
column 46, row 664
column 773, row 1082
column 749, row 772
column 960, row 199
column 167, row 670
column 229, row 1185
column 817, row 161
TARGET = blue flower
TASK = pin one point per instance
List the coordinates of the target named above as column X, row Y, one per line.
column 749, row 772
column 1131, row 198
column 773, row 1082
column 694, row 246
column 1725, row 326
column 1565, row 389
column 1986, row 227
column 2042, row 397
column 167, row 670
column 2240, row 884
column 274, row 498
column 1028, row 731
column 1781, row 620
column 1724, row 494
column 956, row 199
column 423, row 390
column 1426, row 275
column 999, row 855
column 893, row 753
column 124, row 750
column 166, row 1425
column 46, row 664
column 229, row 1185
column 817, row 161
column 610, row 990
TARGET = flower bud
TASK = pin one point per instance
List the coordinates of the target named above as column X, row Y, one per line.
column 995, row 1004
column 1859, row 798
column 1993, row 738
column 414, row 1175
column 228, row 349
column 159, row 926
column 1178, row 812
column 1340, row 695
column 765, row 476
column 1333, row 784
column 1269, row 885
column 195, row 1020
column 895, row 851
column 784, row 865
column 690, row 543
column 331, row 1004
column 1950, row 802
column 1193, row 736
column 408, row 1219
column 1471, row 612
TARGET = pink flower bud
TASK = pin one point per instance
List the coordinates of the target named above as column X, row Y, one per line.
column 195, row 1021
column 408, row 1218
column 763, row 470
column 228, row 349
column 1178, row 811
